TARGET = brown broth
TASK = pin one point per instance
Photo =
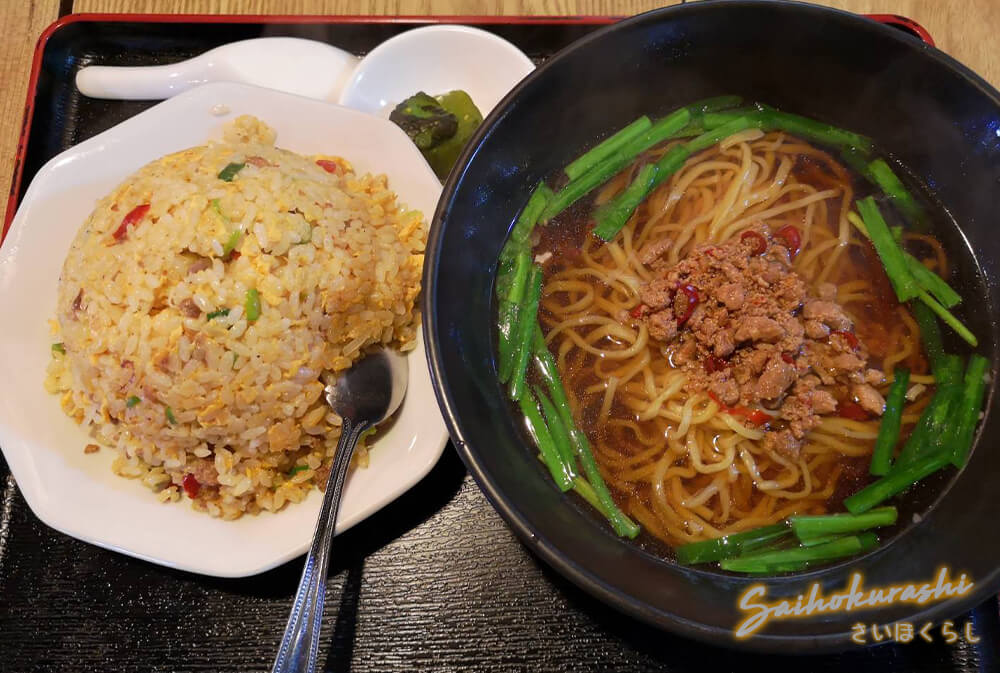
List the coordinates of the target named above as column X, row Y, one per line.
column 876, row 318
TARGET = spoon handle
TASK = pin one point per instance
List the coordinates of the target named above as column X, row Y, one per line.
column 151, row 82
column 297, row 653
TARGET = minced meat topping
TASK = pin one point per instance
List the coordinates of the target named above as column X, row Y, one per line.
column 747, row 330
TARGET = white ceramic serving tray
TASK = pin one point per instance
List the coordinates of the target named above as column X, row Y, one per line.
column 78, row 494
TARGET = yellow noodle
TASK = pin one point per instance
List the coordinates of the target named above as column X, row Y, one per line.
column 683, row 467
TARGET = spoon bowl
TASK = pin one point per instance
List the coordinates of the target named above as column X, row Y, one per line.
column 372, row 389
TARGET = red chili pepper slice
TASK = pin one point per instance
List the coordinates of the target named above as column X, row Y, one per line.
column 327, row 165
column 788, row 358
column 851, row 410
column 715, row 364
column 191, row 485
column 793, row 240
column 132, row 218
column 849, row 337
column 758, row 240
column 637, row 311
column 684, row 305
column 755, row 416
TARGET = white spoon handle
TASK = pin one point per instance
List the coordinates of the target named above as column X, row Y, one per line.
column 142, row 83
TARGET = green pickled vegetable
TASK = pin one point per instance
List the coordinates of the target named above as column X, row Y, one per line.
column 296, row 469
column 438, row 125
column 425, row 120
column 444, row 155
column 170, row 416
column 220, row 313
column 58, row 348
column 132, row 401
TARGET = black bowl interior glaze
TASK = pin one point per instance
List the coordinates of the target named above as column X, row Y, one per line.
column 933, row 115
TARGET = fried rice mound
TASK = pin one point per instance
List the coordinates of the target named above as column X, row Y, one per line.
column 207, row 301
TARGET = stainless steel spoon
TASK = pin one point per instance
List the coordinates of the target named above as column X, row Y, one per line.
column 364, row 396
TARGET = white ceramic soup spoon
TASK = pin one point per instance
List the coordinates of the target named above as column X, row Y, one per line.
column 304, row 67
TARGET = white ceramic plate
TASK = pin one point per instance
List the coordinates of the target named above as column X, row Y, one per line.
column 78, row 494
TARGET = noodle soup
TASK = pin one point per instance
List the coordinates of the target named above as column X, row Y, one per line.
column 732, row 347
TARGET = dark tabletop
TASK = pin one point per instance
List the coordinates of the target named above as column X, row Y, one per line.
column 433, row 582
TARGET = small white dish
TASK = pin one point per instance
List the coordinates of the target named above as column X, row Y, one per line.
column 78, row 494
column 302, row 67
column 435, row 60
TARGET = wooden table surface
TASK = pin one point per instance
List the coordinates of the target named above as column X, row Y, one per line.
column 969, row 30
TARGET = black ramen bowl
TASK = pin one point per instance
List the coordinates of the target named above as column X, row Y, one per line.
column 934, row 115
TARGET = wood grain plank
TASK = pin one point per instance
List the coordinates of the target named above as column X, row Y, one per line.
column 22, row 23
column 967, row 30
column 384, row 7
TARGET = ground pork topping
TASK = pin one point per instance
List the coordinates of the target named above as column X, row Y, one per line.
column 749, row 332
